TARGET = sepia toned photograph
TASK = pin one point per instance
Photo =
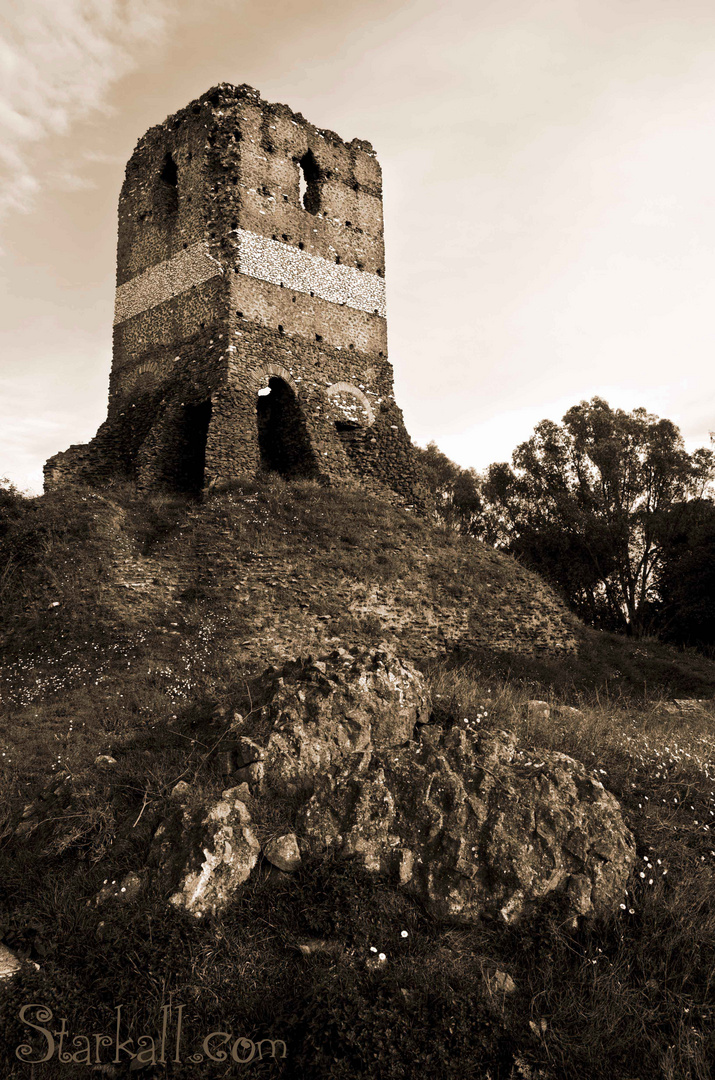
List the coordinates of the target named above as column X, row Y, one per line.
column 357, row 540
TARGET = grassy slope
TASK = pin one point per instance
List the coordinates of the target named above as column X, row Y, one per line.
column 164, row 611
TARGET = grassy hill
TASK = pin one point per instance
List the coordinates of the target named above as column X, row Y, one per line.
column 131, row 626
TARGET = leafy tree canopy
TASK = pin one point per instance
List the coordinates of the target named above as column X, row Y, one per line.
column 583, row 503
column 456, row 492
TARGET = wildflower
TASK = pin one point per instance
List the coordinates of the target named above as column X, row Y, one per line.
column 382, row 957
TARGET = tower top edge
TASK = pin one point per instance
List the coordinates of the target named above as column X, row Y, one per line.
column 225, row 97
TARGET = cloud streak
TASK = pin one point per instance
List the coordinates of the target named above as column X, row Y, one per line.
column 58, row 61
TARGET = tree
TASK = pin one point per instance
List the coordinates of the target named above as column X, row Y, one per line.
column 456, row 492
column 686, row 577
column 583, row 503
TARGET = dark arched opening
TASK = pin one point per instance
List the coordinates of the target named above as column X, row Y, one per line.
column 282, row 436
column 192, row 433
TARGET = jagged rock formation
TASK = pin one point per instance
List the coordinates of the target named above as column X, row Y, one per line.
column 321, row 712
column 344, row 748
column 214, row 854
column 470, row 827
column 459, row 818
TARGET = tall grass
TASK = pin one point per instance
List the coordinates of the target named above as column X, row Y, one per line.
column 628, row 999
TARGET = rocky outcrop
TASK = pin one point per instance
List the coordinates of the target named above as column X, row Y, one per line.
column 473, row 827
column 342, row 751
column 209, row 855
column 320, row 713
column 283, row 853
column 459, row 818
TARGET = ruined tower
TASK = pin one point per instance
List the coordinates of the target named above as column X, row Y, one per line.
column 249, row 327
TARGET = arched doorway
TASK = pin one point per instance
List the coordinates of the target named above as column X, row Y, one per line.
column 282, row 436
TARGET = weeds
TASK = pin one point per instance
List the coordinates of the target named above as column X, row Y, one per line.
column 390, row 992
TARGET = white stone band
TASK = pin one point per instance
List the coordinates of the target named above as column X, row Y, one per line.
column 282, row 264
column 164, row 281
column 258, row 257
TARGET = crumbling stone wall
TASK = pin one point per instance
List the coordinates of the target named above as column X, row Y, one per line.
column 250, row 257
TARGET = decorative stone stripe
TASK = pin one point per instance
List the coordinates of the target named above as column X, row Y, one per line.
column 164, row 281
column 281, row 264
column 258, row 257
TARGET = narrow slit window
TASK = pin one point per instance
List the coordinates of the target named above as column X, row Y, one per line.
column 169, row 184
column 169, row 172
column 309, row 183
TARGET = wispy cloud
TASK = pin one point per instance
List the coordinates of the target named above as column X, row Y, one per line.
column 58, row 62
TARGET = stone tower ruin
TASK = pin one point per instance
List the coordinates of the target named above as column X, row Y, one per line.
column 249, row 327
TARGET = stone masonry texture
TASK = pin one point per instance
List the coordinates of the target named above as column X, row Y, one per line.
column 250, row 329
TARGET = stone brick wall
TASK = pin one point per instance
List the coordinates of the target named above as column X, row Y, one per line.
column 250, row 257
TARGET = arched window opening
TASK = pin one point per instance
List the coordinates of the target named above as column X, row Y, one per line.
column 350, row 414
column 282, row 435
column 169, row 184
column 309, row 183
column 193, row 429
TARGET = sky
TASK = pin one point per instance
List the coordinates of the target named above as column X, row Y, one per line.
column 549, row 196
